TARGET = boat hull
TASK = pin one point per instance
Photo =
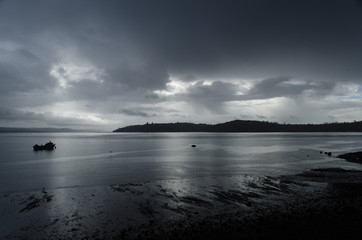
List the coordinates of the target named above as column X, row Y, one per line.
column 48, row 146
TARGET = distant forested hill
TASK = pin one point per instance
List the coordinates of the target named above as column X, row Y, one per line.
column 166, row 127
column 244, row 126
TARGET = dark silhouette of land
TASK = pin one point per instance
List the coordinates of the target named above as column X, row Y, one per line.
column 352, row 157
column 244, row 126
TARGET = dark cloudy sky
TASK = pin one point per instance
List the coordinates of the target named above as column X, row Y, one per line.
column 105, row 64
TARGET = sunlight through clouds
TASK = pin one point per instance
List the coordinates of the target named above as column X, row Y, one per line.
column 174, row 87
column 68, row 72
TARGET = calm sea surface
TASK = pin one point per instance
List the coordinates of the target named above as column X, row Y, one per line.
column 114, row 158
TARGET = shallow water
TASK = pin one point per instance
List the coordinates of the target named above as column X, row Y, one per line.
column 116, row 158
column 132, row 211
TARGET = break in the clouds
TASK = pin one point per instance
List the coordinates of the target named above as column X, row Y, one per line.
column 105, row 64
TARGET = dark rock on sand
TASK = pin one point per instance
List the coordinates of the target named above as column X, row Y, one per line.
column 352, row 157
column 328, row 153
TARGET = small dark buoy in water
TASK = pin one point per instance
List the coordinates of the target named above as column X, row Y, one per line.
column 329, row 154
column 193, row 145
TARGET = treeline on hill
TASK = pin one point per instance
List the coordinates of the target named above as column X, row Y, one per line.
column 244, row 126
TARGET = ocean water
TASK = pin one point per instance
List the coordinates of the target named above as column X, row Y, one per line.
column 93, row 159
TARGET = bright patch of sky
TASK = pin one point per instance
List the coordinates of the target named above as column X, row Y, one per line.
column 68, row 72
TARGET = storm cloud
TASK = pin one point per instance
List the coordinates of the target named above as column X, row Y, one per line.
column 287, row 87
column 136, row 113
column 79, row 61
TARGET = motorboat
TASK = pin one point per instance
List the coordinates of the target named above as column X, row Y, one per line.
column 47, row 146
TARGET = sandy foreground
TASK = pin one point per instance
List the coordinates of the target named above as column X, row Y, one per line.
column 317, row 204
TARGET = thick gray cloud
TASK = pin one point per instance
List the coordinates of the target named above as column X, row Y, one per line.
column 100, row 54
column 152, row 76
column 21, row 70
column 137, row 113
column 211, row 96
column 286, row 87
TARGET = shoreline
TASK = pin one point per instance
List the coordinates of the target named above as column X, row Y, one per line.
column 331, row 208
column 319, row 203
column 248, row 206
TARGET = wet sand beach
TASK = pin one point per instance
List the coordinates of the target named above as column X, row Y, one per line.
column 316, row 204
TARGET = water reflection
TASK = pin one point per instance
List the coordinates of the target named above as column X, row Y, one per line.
column 96, row 159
